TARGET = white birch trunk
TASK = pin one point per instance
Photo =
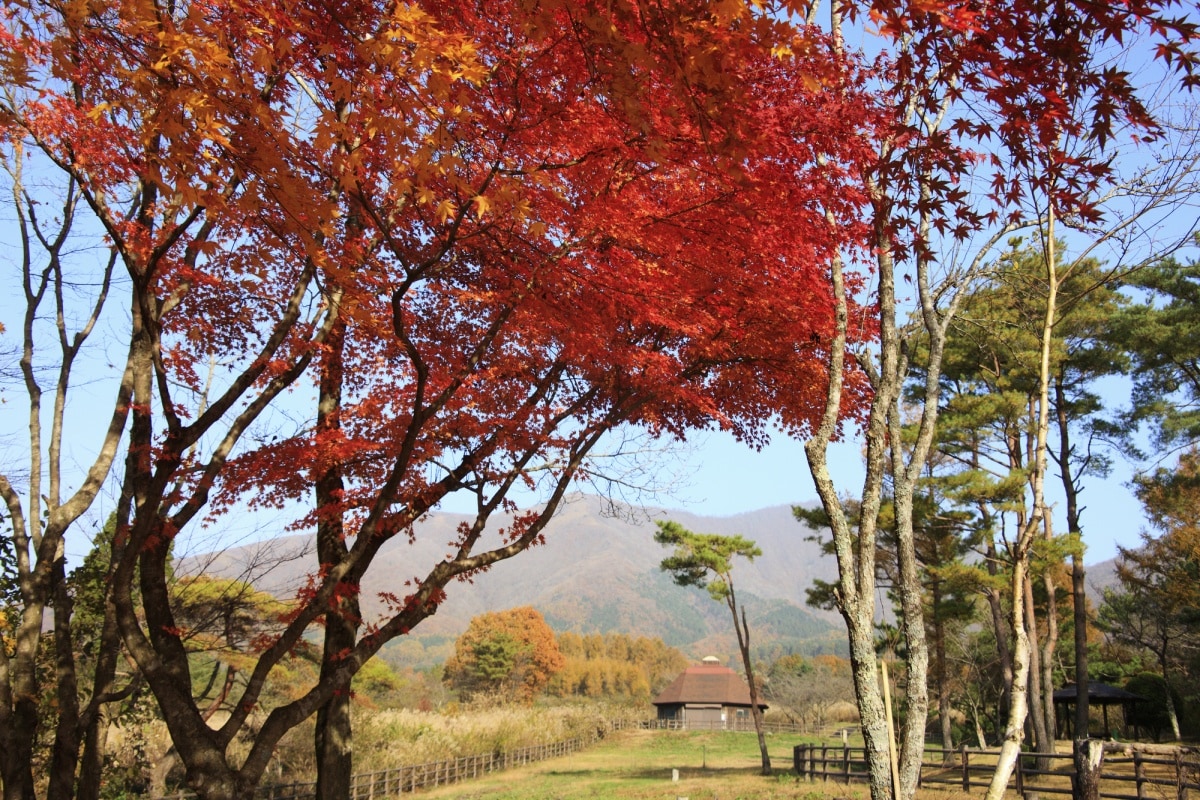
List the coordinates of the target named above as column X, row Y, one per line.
column 1019, row 705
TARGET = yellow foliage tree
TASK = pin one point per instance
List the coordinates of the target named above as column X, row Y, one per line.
column 512, row 652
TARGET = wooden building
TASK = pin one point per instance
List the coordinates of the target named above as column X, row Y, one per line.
column 1099, row 694
column 707, row 696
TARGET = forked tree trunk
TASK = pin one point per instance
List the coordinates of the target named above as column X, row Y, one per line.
column 855, row 550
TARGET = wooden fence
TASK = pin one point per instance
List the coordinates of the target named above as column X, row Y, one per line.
column 410, row 778
column 1130, row 773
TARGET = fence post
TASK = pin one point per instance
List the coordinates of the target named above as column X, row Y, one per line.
column 1020, row 775
column 966, row 767
column 846, row 763
column 1182, row 788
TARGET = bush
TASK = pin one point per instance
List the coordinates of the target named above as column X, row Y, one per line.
column 1151, row 714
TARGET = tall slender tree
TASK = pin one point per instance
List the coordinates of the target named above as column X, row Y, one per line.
column 1006, row 75
column 705, row 560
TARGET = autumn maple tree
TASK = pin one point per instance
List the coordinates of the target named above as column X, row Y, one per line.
column 480, row 236
column 477, row 238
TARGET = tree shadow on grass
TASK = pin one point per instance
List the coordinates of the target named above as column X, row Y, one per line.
column 661, row 773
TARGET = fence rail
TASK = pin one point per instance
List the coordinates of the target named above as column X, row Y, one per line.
column 1134, row 775
column 411, row 777
column 741, row 725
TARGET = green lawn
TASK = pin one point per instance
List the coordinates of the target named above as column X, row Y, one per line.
column 638, row 765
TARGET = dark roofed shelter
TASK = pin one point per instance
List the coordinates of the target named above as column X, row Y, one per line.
column 707, row 696
column 1101, row 694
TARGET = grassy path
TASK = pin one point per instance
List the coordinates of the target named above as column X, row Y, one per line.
column 637, row 765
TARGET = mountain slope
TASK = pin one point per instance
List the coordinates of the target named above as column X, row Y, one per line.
column 596, row 573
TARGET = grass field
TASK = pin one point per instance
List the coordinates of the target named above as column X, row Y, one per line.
column 638, row 765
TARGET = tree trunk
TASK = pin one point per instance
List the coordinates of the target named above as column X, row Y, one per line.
column 18, row 766
column 855, row 550
column 95, row 719
column 1171, row 712
column 332, row 740
column 943, row 680
column 912, row 741
column 91, row 765
column 1089, row 759
column 1049, row 650
column 164, row 663
column 870, row 703
column 65, row 754
column 1010, row 748
column 1042, row 741
column 1000, row 626
column 743, row 635
column 1079, row 603
column 1078, row 589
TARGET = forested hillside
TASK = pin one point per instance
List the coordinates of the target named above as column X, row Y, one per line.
column 597, row 573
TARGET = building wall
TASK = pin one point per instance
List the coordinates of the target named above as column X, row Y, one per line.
column 706, row 717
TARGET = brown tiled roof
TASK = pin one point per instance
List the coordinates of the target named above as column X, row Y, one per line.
column 707, row 684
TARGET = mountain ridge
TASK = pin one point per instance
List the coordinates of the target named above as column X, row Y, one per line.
column 596, row 572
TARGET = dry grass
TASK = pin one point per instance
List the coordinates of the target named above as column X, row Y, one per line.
column 386, row 739
column 637, row 765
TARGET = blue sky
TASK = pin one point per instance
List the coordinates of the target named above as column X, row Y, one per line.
column 715, row 475
column 729, row 478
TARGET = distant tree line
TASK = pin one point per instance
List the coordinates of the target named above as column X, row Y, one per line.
column 514, row 655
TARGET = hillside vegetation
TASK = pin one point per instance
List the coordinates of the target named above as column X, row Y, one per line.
column 596, row 573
